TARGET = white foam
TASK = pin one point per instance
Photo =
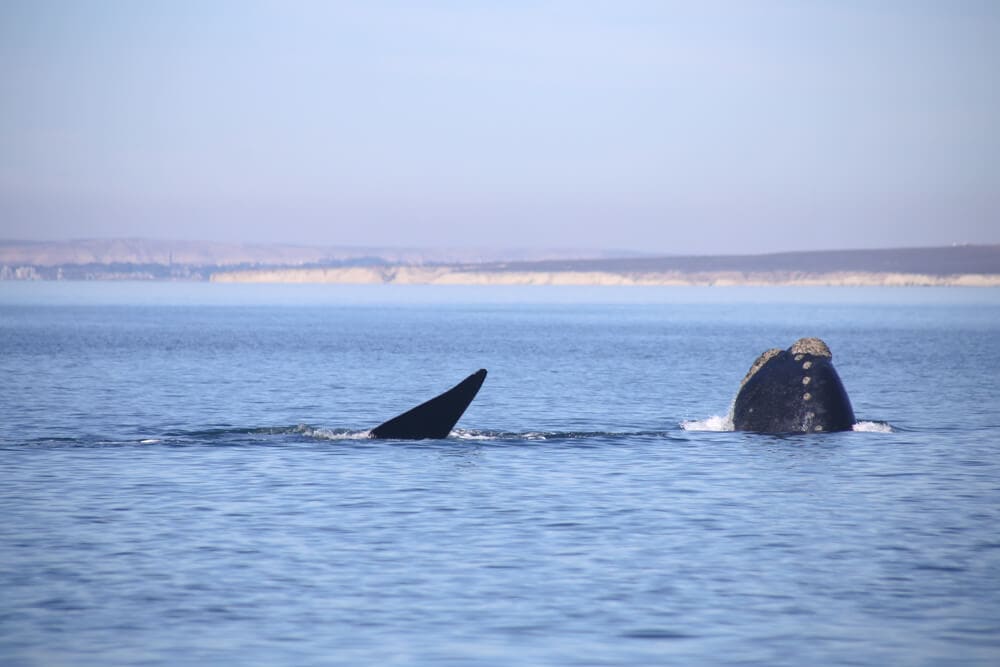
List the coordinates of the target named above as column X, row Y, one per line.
column 713, row 423
column 872, row 427
column 331, row 434
column 462, row 434
column 149, row 441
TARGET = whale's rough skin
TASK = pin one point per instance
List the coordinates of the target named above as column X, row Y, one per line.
column 434, row 418
column 793, row 391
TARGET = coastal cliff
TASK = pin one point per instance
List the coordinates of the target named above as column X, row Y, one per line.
column 462, row 276
column 138, row 259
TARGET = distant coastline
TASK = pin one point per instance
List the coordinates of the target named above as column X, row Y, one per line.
column 463, row 276
column 138, row 259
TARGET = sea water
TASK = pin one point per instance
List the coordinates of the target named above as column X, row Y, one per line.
column 184, row 478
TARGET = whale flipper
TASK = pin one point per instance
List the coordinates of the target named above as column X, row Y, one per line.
column 793, row 391
column 436, row 417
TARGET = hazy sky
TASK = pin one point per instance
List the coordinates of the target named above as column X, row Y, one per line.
column 697, row 127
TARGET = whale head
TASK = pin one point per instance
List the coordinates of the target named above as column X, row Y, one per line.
column 793, row 391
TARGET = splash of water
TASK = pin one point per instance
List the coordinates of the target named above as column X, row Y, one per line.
column 331, row 434
column 713, row 423
column 872, row 427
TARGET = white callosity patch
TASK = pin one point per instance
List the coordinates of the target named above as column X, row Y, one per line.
column 813, row 346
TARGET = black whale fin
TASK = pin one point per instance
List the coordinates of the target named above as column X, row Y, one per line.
column 436, row 417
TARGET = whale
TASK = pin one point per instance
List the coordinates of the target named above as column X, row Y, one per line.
column 793, row 391
column 796, row 390
column 433, row 419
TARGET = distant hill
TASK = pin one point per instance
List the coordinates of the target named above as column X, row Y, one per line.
column 139, row 259
column 977, row 266
column 208, row 254
column 940, row 261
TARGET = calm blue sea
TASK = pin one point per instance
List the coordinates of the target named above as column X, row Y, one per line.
column 184, row 481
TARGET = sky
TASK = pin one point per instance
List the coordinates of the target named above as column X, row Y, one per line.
column 662, row 127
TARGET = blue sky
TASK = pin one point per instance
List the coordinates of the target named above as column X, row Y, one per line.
column 668, row 127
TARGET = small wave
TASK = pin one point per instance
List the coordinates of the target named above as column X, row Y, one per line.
column 331, row 433
column 500, row 436
column 89, row 441
column 872, row 427
column 713, row 423
column 720, row 423
column 247, row 435
column 521, row 436
column 300, row 429
column 469, row 434
column 463, row 434
column 226, row 431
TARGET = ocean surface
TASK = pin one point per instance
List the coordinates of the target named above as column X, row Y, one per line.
column 186, row 480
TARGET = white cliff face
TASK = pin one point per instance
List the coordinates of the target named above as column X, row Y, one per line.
column 144, row 259
column 416, row 275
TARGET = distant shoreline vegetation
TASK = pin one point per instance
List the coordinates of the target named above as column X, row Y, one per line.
column 136, row 259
